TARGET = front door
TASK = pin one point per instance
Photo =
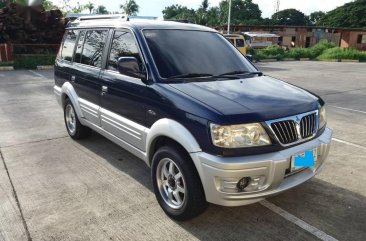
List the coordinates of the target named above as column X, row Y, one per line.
column 123, row 96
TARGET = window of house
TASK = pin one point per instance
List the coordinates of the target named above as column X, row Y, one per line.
column 69, row 45
column 93, row 47
column 361, row 39
column 123, row 45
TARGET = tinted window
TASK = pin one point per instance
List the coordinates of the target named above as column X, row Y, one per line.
column 123, row 45
column 178, row 52
column 231, row 41
column 93, row 47
column 239, row 42
column 79, row 46
column 69, row 44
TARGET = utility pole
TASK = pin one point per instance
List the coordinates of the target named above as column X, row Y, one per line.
column 277, row 8
column 229, row 17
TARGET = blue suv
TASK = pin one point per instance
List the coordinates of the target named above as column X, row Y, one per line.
column 180, row 97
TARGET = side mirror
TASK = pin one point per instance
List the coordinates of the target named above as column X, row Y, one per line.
column 130, row 66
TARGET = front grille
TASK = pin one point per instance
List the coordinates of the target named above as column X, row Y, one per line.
column 307, row 125
column 291, row 131
column 285, row 131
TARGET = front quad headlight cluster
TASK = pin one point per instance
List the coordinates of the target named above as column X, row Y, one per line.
column 237, row 136
column 322, row 117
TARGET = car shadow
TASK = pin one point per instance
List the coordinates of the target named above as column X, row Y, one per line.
column 334, row 210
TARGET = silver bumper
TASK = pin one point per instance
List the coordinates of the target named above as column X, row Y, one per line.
column 219, row 175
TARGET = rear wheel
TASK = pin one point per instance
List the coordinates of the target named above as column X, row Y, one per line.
column 177, row 185
column 73, row 126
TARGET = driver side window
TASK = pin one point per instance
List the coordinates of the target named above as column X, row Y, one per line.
column 123, row 45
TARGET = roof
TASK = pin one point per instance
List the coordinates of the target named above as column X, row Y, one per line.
column 290, row 26
column 138, row 24
column 261, row 35
column 233, row 35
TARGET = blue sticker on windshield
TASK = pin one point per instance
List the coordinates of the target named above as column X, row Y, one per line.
column 305, row 160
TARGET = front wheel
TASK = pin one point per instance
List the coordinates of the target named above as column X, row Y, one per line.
column 177, row 185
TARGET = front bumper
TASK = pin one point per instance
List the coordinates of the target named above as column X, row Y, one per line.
column 219, row 175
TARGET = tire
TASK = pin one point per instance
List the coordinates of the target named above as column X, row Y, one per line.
column 73, row 126
column 181, row 181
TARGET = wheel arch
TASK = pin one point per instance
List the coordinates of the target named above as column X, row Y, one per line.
column 68, row 91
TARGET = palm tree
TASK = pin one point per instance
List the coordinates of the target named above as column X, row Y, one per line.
column 89, row 6
column 130, row 7
column 101, row 10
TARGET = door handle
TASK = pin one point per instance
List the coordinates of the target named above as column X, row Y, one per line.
column 73, row 78
column 104, row 89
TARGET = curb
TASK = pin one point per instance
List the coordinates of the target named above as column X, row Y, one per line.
column 288, row 59
column 350, row 60
column 304, row 59
column 268, row 60
column 6, row 68
column 329, row 60
column 44, row 67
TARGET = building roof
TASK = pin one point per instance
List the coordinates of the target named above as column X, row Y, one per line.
column 289, row 26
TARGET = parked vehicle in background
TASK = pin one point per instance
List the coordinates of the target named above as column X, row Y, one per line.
column 238, row 41
column 259, row 40
column 181, row 98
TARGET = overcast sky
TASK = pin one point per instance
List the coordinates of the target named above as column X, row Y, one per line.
column 155, row 7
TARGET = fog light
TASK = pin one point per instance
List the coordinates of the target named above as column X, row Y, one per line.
column 243, row 183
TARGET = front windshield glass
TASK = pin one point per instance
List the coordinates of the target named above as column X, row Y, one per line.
column 186, row 52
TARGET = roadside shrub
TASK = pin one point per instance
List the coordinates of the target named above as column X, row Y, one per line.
column 271, row 52
column 319, row 48
column 298, row 53
column 6, row 63
column 343, row 53
column 31, row 61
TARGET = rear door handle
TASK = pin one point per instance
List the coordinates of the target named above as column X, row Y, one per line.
column 104, row 89
column 73, row 78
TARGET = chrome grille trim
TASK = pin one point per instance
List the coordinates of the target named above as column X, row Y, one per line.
column 294, row 129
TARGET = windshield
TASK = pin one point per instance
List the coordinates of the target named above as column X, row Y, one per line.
column 182, row 52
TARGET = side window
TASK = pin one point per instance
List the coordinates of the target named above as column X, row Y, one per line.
column 239, row 42
column 79, row 46
column 231, row 41
column 123, row 45
column 93, row 47
column 69, row 44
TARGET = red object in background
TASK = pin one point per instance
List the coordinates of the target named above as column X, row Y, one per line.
column 6, row 53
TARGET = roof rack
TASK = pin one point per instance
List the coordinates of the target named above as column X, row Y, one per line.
column 103, row 16
column 114, row 16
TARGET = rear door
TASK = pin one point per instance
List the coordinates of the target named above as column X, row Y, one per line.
column 87, row 69
column 123, row 109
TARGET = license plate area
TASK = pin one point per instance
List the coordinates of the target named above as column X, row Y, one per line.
column 303, row 160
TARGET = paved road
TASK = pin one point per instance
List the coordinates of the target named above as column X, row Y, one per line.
column 53, row 188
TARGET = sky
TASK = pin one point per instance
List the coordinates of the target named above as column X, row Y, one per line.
column 155, row 7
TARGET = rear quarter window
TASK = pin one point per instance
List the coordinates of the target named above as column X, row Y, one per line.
column 93, row 47
column 69, row 45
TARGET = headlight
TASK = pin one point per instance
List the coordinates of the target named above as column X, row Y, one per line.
column 236, row 136
column 322, row 117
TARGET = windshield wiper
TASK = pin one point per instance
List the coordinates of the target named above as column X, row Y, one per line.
column 190, row 75
column 240, row 72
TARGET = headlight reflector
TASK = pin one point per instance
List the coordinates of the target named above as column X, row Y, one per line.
column 237, row 136
column 322, row 117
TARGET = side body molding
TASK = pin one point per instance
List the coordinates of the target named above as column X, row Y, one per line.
column 174, row 130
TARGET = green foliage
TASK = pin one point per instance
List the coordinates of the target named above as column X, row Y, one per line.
column 291, row 17
column 179, row 12
column 6, row 64
column 130, row 7
column 242, row 11
column 101, row 10
column 350, row 15
column 31, row 61
column 343, row 53
column 276, row 52
column 90, row 6
column 316, row 16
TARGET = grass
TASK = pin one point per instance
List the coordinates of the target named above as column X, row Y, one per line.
column 322, row 50
column 31, row 61
column 343, row 53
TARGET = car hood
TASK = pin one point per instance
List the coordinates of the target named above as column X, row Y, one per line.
column 251, row 99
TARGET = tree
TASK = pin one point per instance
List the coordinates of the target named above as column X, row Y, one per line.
column 101, row 10
column 316, row 16
column 291, row 17
column 179, row 12
column 130, row 7
column 350, row 15
column 202, row 13
column 89, row 6
column 77, row 9
column 242, row 12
